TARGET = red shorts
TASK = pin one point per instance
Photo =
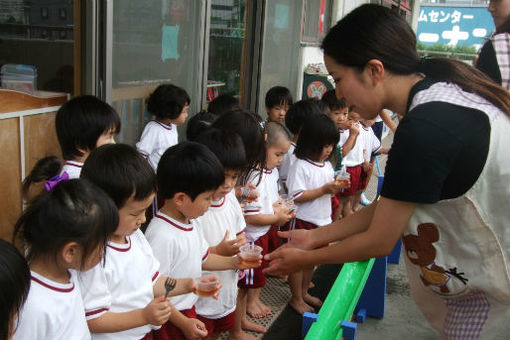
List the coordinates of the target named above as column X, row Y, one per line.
column 363, row 180
column 273, row 241
column 254, row 277
column 335, row 202
column 216, row 326
column 169, row 331
column 355, row 172
column 147, row 336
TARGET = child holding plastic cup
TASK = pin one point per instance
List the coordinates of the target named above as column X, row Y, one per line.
column 263, row 213
column 188, row 176
column 311, row 183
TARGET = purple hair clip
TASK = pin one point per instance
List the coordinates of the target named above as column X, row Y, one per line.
column 52, row 182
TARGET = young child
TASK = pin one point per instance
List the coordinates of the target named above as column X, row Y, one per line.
column 311, row 183
column 169, row 104
column 222, row 104
column 294, row 121
column 124, row 296
column 65, row 230
column 14, row 287
column 278, row 102
column 198, row 124
column 188, row 176
column 222, row 226
column 83, row 124
column 260, row 215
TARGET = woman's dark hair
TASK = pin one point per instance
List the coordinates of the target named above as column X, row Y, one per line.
column 199, row 123
column 317, row 132
column 250, row 131
column 190, row 168
column 222, row 104
column 43, row 170
column 14, row 286
column 278, row 95
column 167, row 101
column 376, row 32
column 121, row 172
column 298, row 113
column 81, row 121
column 73, row 211
column 330, row 98
column 227, row 146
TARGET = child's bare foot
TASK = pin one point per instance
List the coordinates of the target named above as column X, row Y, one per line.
column 312, row 300
column 266, row 309
column 254, row 310
column 300, row 306
column 241, row 336
column 248, row 325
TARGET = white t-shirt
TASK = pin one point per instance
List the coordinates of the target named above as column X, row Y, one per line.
column 288, row 159
column 124, row 282
column 268, row 194
column 355, row 156
column 156, row 138
column 181, row 251
column 53, row 311
column 72, row 168
column 369, row 141
column 308, row 175
column 223, row 215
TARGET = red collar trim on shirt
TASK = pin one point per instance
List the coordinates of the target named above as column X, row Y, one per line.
column 219, row 204
column 317, row 164
column 267, row 171
column 120, row 248
column 58, row 289
column 73, row 163
column 175, row 224
column 293, row 144
column 364, row 127
column 168, row 127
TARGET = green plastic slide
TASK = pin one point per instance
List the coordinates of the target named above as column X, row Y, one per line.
column 341, row 301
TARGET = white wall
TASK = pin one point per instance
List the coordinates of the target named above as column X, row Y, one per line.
column 308, row 55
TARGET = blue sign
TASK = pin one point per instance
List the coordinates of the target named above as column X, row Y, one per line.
column 453, row 26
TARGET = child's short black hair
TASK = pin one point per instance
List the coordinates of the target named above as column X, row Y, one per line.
column 198, row 124
column 72, row 211
column 278, row 95
column 321, row 105
column 121, row 172
column 223, row 103
column 81, row 121
column 167, row 101
column 332, row 101
column 14, row 286
column 227, row 146
column 190, row 168
column 317, row 132
column 248, row 128
column 298, row 113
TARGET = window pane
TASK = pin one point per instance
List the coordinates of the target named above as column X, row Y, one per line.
column 38, row 34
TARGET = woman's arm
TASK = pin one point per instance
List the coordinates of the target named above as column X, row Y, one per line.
column 371, row 232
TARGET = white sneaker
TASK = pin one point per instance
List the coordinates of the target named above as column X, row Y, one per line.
column 364, row 200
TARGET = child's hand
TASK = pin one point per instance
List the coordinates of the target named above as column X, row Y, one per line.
column 282, row 216
column 353, row 128
column 242, row 264
column 194, row 329
column 157, row 311
column 331, row 188
column 241, row 240
column 227, row 247
column 367, row 167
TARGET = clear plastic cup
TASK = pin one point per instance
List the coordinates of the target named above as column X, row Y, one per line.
column 206, row 285
column 342, row 178
column 250, row 254
column 249, row 194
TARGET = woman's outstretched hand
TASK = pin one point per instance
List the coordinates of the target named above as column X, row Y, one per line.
column 284, row 260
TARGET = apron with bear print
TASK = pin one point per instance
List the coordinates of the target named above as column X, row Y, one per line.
column 457, row 250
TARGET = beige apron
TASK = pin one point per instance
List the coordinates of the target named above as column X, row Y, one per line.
column 457, row 250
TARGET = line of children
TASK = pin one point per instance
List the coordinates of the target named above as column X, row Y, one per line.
column 311, row 184
column 124, row 296
column 188, row 175
column 169, row 104
column 65, row 229
column 83, row 124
